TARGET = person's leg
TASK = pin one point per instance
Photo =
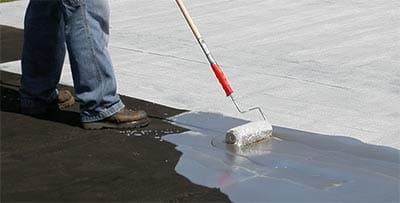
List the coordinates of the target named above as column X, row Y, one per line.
column 86, row 31
column 42, row 56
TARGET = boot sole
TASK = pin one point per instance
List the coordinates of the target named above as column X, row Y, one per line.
column 104, row 124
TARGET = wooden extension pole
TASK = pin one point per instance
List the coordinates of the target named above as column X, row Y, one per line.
column 189, row 19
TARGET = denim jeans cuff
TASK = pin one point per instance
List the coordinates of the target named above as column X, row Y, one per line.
column 103, row 114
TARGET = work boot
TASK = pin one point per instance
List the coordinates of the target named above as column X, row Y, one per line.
column 124, row 119
column 64, row 100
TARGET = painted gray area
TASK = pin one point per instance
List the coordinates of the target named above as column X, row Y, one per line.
column 293, row 166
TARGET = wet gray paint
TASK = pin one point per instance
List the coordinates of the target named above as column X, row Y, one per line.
column 294, row 166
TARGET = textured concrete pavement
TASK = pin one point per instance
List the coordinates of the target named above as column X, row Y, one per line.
column 329, row 67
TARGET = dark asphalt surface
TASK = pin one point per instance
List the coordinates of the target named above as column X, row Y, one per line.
column 52, row 158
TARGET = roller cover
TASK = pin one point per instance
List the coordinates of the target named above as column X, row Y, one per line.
column 249, row 133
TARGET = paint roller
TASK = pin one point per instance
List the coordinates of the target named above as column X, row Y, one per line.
column 241, row 135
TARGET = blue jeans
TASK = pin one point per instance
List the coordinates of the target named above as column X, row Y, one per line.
column 83, row 26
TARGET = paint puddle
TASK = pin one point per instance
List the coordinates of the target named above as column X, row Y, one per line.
column 293, row 166
column 261, row 155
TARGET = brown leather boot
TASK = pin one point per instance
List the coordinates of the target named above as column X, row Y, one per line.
column 124, row 119
column 64, row 100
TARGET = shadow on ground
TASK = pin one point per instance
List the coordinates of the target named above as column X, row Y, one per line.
column 52, row 159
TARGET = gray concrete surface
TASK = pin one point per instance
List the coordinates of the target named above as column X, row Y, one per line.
column 329, row 67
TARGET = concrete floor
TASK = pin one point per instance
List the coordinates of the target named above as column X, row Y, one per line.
column 324, row 67
column 329, row 67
